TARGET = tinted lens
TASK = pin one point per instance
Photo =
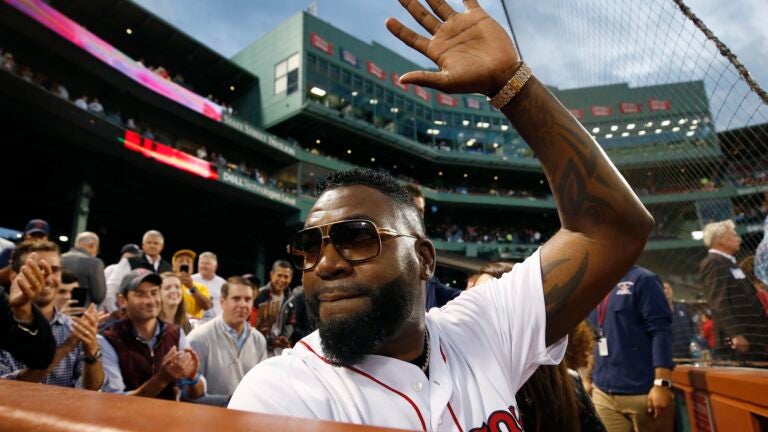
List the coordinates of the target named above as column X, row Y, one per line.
column 305, row 248
column 355, row 240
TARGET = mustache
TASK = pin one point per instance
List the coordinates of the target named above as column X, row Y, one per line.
column 351, row 290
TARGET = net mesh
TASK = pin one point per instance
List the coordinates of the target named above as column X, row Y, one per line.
column 696, row 151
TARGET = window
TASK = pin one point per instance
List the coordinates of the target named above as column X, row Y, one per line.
column 335, row 74
column 287, row 74
column 346, row 77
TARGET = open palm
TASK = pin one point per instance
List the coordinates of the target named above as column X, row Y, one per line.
column 473, row 52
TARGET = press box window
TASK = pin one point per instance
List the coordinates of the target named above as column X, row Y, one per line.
column 287, row 75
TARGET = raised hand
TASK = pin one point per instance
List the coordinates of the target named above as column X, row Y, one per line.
column 473, row 52
column 85, row 329
column 172, row 368
column 70, row 310
column 26, row 285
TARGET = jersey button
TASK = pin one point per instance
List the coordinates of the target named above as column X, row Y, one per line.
column 417, row 386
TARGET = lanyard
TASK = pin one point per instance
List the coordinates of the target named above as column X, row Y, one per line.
column 601, row 310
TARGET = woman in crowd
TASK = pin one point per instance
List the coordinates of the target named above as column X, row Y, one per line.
column 553, row 398
column 172, row 307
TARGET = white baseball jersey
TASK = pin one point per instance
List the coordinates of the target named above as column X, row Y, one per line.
column 484, row 345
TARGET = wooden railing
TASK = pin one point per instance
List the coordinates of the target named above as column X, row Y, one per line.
column 723, row 399
column 38, row 407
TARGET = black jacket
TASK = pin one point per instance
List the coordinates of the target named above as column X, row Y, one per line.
column 142, row 261
column 736, row 310
column 35, row 347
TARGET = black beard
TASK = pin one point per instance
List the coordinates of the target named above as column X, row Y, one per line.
column 345, row 341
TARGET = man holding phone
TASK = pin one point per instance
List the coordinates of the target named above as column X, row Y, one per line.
column 196, row 295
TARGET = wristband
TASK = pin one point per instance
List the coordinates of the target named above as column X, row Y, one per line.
column 93, row 359
column 190, row 382
column 513, row 87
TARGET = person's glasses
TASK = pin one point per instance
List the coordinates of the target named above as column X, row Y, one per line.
column 355, row 240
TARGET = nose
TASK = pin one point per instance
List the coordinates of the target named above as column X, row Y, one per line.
column 331, row 265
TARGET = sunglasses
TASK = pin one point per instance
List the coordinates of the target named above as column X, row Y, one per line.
column 355, row 240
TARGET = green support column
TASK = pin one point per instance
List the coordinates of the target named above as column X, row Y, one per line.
column 82, row 210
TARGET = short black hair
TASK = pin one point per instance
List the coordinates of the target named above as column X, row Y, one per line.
column 69, row 277
column 381, row 181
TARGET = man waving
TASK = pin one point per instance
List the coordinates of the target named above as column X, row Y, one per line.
column 377, row 358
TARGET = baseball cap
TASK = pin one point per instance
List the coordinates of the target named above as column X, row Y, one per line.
column 135, row 278
column 189, row 252
column 37, row 226
column 130, row 248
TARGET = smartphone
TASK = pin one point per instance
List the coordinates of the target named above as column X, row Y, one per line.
column 79, row 294
column 184, row 268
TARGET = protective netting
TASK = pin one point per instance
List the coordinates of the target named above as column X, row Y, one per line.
column 688, row 128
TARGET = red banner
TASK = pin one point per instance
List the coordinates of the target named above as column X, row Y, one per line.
column 396, row 83
column 447, row 100
column 320, row 43
column 659, row 105
column 376, row 71
column 601, row 111
column 420, row 92
column 472, row 103
column 630, row 108
column 579, row 114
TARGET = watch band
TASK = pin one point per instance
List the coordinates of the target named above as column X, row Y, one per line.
column 663, row 383
column 92, row 359
column 513, row 87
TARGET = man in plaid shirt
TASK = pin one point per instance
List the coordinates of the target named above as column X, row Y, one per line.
column 77, row 362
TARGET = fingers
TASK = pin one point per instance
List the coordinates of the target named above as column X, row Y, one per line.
column 408, row 36
column 72, row 311
column 441, row 8
column 169, row 355
column 421, row 15
column 45, row 268
column 423, row 78
column 471, row 4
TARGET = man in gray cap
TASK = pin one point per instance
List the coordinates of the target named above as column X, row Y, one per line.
column 144, row 356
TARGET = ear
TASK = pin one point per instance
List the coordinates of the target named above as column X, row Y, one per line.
column 122, row 301
column 427, row 258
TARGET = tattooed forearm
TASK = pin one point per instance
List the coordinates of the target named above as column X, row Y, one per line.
column 559, row 294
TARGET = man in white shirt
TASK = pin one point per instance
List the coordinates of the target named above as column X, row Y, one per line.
column 207, row 264
column 377, row 358
column 151, row 246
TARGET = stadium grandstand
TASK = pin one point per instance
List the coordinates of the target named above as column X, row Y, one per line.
column 115, row 121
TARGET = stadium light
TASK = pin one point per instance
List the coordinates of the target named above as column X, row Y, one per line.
column 373, row 101
column 693, row 127
column 495, row 145
column 440, row 122
column 465, row 122
column 689, row 133
column 614, row 128
column 695, row 122
column 373, row 159
column 471, row 142
column 495, row 177
column 665, row 123
column 483, row 125
column 649, row 124
column 394, row 110
column 682, row 121
column 609, row 136
column 466, row 175
column 354, row 93
column 596, row 130
column 317, row 141
column 129, row 31
column 317, row 91
column 697, row 235
column 19, row 235
column 63, row 239
column 231, row 88
column 658, row 131
column 641, row 133
column 630, row 126
column 625, row 134
column 676, row 129
column 504, row 128
column 349, row 151
column 440, row 173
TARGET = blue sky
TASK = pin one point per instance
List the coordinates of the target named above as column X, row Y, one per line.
column 569, row 44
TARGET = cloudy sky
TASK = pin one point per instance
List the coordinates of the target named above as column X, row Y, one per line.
column 569, row 43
